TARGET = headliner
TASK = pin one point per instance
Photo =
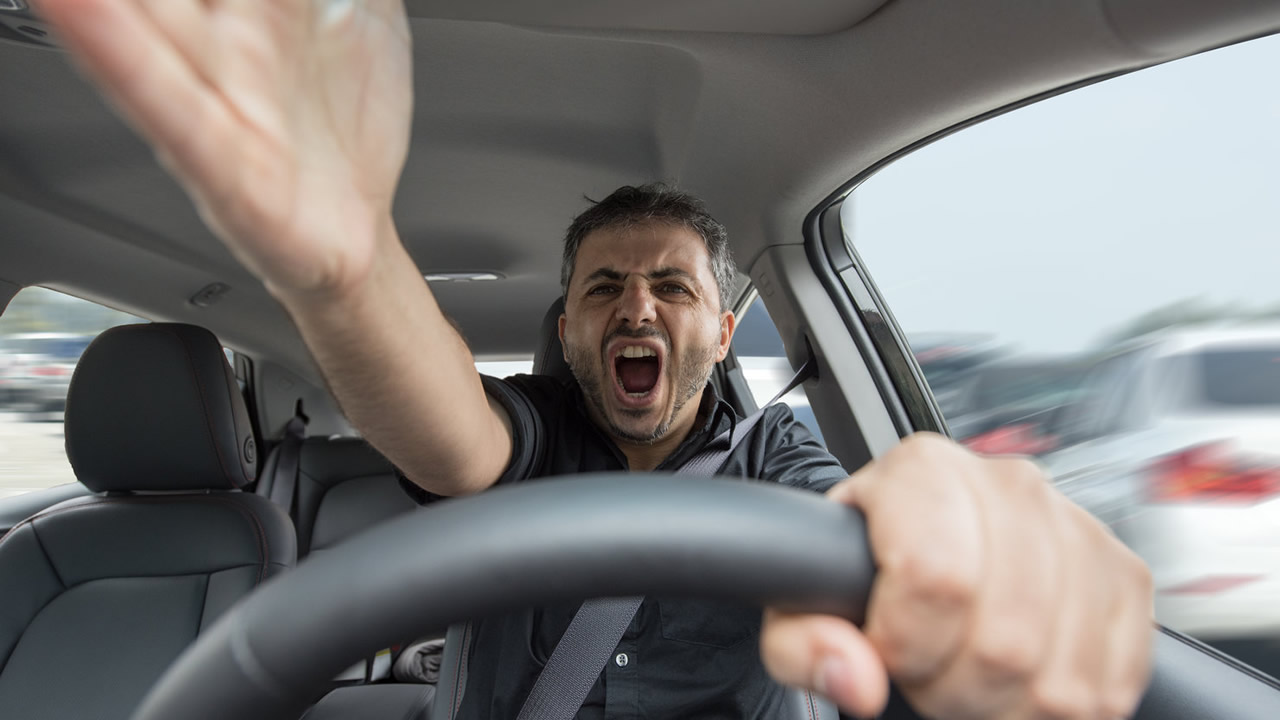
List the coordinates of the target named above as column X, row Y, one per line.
column 522, row 111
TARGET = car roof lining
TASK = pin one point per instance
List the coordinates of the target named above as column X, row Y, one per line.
column 778, row 17
column 514, row 124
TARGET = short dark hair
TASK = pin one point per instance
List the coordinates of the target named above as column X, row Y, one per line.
column 629, row 206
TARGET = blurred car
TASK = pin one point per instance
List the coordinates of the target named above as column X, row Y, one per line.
column 1006, row 406
column 37, row 369
column 1175, row 442
column 948, row 361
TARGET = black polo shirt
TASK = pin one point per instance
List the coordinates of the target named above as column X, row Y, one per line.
column 679, row 658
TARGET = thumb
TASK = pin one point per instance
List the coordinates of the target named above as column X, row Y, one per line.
column 825, row 654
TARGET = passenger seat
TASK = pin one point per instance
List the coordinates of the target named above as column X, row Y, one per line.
column 101, row 593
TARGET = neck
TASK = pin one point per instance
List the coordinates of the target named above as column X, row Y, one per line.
column 643, row 457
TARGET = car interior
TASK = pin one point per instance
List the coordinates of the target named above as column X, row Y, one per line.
column 234, row 549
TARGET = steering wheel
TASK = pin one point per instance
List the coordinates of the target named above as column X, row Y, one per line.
column 610, row 534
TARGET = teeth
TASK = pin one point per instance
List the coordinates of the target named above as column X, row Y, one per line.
column 637, row 351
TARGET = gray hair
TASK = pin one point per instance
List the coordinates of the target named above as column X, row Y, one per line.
column 629, row 206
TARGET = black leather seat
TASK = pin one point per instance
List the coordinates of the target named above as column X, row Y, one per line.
column 101, row 593
column 343, row 486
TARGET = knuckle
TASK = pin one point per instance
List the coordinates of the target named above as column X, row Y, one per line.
column 935, row 581
column 1137, row 570
column 1007, row 655
column 931, row 448
column 1022, row 475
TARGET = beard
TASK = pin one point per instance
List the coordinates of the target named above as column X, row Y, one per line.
column 693, row 370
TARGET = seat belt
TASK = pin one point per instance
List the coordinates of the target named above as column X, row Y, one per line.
column 285, row 484
column 597, row 628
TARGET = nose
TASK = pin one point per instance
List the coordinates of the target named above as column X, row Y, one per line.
column 636, row 305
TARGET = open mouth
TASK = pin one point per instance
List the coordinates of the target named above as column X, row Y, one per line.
column 636, row 369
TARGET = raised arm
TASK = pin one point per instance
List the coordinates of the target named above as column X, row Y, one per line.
column 288, row 121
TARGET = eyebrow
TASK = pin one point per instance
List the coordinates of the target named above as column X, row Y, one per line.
column 664, row 273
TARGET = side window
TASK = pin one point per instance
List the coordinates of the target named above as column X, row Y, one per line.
column 1119, row 241
column 759, row 350
column 42, row 334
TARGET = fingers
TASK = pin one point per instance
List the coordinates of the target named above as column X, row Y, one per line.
column 144, row 75
column 1014, row 621
column 827, row 655
column 928, row 561
column 995, row 597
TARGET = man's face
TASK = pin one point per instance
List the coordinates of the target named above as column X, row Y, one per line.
column 643, row 328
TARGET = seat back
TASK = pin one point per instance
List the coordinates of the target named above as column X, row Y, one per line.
column 343, row 486
column 549, row 357
column 101, row 593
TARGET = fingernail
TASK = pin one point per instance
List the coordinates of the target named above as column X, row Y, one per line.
column 335, row 11
column 832, row 678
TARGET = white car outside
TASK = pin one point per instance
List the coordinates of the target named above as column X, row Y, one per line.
column 1176, row 445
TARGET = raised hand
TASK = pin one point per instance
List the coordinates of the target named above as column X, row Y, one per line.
column 287, row 121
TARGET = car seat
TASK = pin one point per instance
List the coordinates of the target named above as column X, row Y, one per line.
column 101, row 593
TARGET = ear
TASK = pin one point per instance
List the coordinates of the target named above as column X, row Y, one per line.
column 727, row 325
column 560, row 330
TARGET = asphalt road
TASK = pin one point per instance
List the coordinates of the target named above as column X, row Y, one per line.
column 31, row 455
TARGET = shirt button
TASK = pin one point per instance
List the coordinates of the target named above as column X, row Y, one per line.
column 622, row 659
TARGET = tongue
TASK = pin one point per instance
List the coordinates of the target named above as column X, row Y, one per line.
column 638, row 375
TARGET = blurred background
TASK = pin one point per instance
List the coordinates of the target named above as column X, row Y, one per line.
column 1094, row 281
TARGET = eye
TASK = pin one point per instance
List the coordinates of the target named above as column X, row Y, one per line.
column 602, row 290
column 674, row 289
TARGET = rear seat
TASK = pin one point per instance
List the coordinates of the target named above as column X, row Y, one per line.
column 343, row 486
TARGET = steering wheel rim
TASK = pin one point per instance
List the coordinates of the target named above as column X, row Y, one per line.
column 537, row 543
column 609, row 534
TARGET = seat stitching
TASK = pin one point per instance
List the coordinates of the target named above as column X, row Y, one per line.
column 808, row 696
column 420, row 705
column 5, row 660
column 260, row 533
column 204, row 404
column 457, row 680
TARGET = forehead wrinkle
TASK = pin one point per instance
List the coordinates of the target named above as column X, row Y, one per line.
column 663, row 273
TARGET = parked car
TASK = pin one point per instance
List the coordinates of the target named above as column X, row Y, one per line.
column 1008, row 406
column 774, row 114
column 37, row 370
column 1175, row 441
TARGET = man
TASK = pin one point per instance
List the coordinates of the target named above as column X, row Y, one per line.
column 647, row 278
column 259, row 107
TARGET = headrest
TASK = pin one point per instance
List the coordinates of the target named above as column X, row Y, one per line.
column 549, row 359
column 156, row 407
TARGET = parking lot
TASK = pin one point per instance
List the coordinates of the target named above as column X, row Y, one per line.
column 31, row 455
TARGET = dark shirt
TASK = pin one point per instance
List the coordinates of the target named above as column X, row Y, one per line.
column 684, row 658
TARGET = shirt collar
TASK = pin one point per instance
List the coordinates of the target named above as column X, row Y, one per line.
column 715, row 416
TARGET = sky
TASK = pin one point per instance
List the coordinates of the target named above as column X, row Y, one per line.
column 1053, row 225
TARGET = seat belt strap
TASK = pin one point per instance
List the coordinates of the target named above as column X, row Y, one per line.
column 597, row 628
column 285, row 484
column 713, row 457
column 575, row 664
